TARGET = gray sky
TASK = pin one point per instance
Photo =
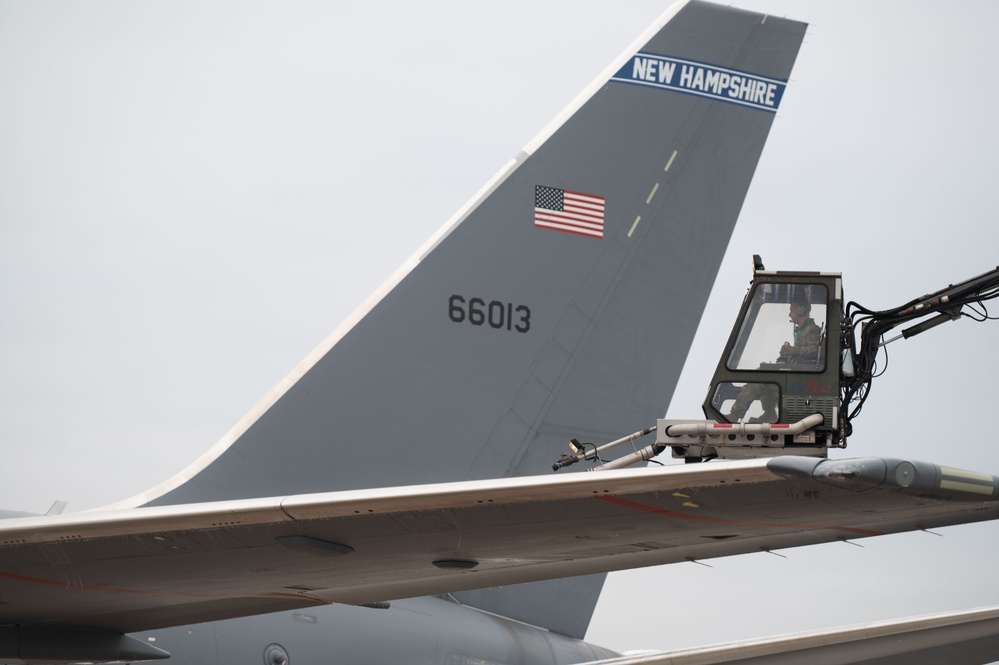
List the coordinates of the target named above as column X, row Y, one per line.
column 194, row 194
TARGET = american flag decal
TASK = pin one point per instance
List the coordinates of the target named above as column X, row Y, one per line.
column 572, row 212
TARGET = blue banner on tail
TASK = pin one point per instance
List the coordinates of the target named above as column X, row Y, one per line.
column 697, row 78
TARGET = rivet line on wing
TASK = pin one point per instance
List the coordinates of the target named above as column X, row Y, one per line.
column 718, row 520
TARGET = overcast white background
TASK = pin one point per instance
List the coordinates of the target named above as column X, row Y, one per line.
column 194, row 194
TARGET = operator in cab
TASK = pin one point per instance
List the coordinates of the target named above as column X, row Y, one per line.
column 802, row 349
column 807, row 335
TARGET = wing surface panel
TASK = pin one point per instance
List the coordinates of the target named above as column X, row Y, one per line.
column 144, row 568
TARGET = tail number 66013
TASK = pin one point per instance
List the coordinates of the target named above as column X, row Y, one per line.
column 495, row 314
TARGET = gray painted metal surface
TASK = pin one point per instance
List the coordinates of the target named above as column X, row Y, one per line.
column 55, row 644
column 418, row 630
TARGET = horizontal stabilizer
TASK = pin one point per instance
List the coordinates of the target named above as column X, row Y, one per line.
column 232, row 558
column 957, row 638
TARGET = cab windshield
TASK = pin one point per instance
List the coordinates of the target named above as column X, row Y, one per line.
column 784, row 329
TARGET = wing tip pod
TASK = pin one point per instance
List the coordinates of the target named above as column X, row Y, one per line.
column 859, row 474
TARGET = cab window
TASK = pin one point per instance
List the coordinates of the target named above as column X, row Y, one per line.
column 784, row 329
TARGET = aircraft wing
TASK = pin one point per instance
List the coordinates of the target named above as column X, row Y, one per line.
column 968, row 637
column 145, row 568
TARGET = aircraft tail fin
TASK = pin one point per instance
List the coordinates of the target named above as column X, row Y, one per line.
column 560, row 302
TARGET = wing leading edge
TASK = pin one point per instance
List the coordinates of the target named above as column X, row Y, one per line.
column 969, row 637
column 145, row 568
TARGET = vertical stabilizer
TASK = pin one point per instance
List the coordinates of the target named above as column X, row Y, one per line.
column 560, row 302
